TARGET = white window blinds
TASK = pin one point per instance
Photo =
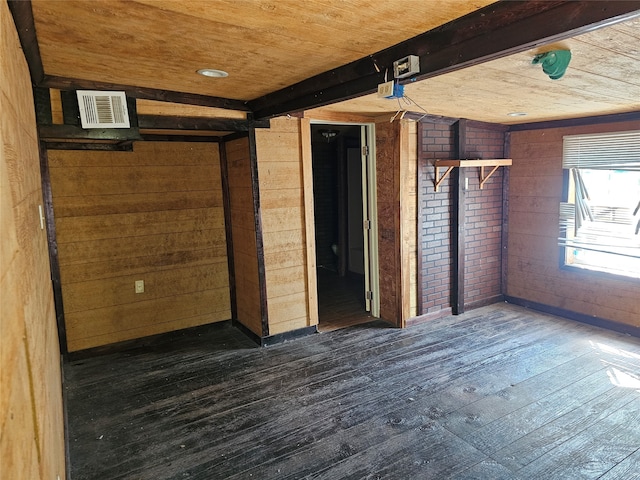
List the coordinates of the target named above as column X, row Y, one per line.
column 611, row 151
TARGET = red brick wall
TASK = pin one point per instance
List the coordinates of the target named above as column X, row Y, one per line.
column 437, row 141
column 483, row 217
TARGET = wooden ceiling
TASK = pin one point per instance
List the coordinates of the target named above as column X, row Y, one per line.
column 267, row 46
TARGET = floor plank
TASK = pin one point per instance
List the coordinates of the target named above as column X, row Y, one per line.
column 498, row 392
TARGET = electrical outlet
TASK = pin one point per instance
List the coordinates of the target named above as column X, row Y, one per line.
column 385, row 90
column 139, row 286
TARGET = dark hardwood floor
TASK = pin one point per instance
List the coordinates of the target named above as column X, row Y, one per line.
column 341, row 301
column 499, row 392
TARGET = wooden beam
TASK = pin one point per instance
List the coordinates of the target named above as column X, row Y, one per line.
column 73, row 132
column 578, row 122
column 109, row 147
column 23, row 18
column 497, row 30
column 164, row 122
column 63, row 83
column 152, row 137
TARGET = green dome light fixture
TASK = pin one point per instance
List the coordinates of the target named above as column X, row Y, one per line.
column 554, row 63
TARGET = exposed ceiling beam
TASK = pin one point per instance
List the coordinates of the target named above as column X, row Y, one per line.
column 492, row 32
column 73, row 132
column 576, row 122
column 144, row 93
column 22, row 13
column 23, row 18
column 162, row 122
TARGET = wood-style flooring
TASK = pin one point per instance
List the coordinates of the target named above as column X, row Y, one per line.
column 499, row 392
column 340, row 301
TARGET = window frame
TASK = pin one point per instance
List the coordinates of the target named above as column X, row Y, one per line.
column 584, row 270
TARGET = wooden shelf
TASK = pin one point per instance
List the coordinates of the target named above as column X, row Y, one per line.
column 482, row 163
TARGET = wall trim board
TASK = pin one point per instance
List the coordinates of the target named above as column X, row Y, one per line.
column 504, row 240
column 143, row 342
column 309, row 221
column 578, row 317
column 458, row 228
column 65, row 420
column 578, row 122
column 226, row 202
column 54, row 264
column 422, row 183
column 255, row 190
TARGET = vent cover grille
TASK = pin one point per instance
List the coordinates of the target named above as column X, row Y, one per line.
column 103, row 109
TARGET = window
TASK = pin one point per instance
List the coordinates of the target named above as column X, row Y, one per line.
column 600, row 217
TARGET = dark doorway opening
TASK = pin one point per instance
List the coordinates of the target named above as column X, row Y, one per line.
column 338, row 201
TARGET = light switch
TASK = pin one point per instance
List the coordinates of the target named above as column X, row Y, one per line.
column 139, row 286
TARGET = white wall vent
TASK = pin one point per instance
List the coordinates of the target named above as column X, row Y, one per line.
column 103, row 109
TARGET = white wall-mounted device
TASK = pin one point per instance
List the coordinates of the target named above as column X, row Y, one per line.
column 407, row 66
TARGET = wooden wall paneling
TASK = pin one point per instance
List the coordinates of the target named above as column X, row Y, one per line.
column 164, row 224
column 410, row 209
column 243, row 232
column 407, row 198
column 31, row 412
column 288, row 226
column 533, row 273
column 388, row 198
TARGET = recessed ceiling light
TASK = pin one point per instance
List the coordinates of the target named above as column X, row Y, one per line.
column 212, row 72
column 517, row 114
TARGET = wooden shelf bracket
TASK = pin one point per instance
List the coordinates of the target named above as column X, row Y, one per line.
column 482, row 163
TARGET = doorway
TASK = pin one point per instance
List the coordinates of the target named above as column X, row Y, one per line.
column 344, row 219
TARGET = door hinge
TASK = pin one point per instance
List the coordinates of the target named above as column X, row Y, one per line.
column 369, row 295
column 365, row 150
column 367, row 224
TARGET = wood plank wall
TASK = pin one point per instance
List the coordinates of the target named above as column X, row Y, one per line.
column 281, row 181
column 154, row 214
column 31, row 417
column 409, row 199
column 533, row 271
column 396, row 167
column 243, row 232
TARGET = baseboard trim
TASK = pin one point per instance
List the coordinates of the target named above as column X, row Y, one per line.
column 484, row 302
column 275, row 339
column 141, row 342
column 427, row 317
column 578, row 317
